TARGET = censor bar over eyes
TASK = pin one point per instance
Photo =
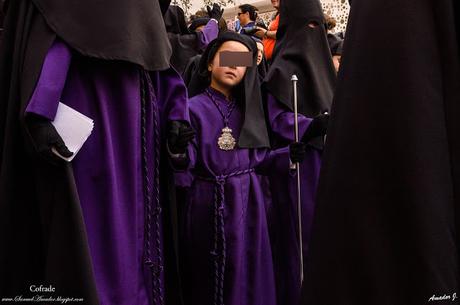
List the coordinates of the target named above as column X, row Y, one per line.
column 236, row 59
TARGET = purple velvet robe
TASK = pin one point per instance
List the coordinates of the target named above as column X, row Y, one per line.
column 283, row 213
column 248, row 278
column 108, row 170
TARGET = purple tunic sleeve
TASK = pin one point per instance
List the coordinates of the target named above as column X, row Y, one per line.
column 45, row 99
column 173, row 94
column 208, row 34
column 282, row 120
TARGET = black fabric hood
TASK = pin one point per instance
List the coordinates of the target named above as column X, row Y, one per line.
column 111, row 29
column 302, row 50
column 254, row 133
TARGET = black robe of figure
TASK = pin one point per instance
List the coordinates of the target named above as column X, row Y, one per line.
column 2, row 18
column 387, row 221
column 335, row 43
column 191, row 69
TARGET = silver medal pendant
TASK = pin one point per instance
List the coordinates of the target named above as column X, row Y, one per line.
column 226, row 140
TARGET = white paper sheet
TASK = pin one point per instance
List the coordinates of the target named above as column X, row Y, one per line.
column 73, row 127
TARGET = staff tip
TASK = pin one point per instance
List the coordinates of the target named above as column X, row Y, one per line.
column 294, row 78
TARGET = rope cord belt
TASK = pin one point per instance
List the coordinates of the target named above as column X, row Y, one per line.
column 219, row 250
column 152, row 207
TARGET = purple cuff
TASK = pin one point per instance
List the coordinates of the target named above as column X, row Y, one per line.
column 173, row 92
column 45, row 99
column 282, row 120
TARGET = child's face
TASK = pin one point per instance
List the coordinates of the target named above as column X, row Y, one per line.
column 227, row 77
column 260, row 53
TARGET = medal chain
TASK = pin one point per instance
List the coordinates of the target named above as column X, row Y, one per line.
column 230, row 108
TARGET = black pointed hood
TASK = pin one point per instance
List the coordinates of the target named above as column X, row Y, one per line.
column 302, row 49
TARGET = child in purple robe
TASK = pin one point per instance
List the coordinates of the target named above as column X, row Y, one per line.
column 226, row 252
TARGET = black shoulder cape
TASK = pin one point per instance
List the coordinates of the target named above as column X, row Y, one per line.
column 191, row 69
column 386, row 227
column 113, row 30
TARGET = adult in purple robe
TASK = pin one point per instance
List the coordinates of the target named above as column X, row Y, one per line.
column 96, row 224
column 110, row 170
column 302, row 49
column 283, row 189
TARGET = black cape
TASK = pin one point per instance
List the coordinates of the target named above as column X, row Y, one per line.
column 191, row 69
column 42, row 232
column 386, row 227
column 303, row 51
column 254, row 133
column 184, row 43
column 2, row 17
column 114, row 30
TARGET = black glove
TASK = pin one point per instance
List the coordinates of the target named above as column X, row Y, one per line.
column 297, row 152
column 179, row 135
column 215, row 12
column 45, row 137
column 317, row 128
column 250, row 30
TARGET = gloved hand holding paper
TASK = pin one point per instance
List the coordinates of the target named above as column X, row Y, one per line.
column 73, row 127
